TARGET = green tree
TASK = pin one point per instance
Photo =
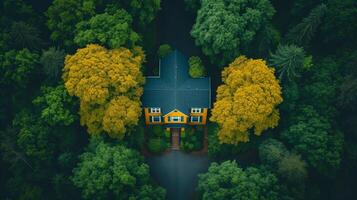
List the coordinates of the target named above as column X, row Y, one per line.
column 143, row 12
column 288, row 60
column 271, row 152
column 320, row 87
column 347, row 98
column 16, row 67
column 33, row 138
column 291, row 96
column 63, row 15
column 196, row 68
column 164, row 50
column 224, row 27
column 112, row 30
column 292, row 168
column 340, row 29
column 23, row 35
column 302, row 33
column 266, row 39
column 114, row 171
column 56, row 106
column 312, row 136
column 52, row 61
column 229, row 181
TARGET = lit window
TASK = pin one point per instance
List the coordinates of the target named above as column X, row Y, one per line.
column 196, row 110
column 196, row 119
column 175, row 119
column 155, row 119
column 155, row 110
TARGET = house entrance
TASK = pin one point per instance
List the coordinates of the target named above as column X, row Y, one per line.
column 175, row 138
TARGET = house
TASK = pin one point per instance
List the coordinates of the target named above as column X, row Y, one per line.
column 173, row 98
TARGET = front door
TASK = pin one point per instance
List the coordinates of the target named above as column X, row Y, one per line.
column 175, row 138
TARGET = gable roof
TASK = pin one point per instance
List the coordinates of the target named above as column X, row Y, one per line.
column 174, row 88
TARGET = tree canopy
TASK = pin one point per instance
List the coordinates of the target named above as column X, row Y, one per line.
column 313, row 137
column 289, row 61
column 16, row 67
column 224, row 27
column 112, row 30
column 229, row 181
column 114, row 171
column 63, row 15
column 109, row 85
column 246, row 100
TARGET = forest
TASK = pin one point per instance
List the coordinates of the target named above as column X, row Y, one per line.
column 283, row 123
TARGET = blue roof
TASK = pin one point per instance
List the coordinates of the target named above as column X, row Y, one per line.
column 174, row 88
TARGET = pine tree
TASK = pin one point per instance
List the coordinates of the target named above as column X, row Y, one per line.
column 302, row 33
column 288, row 60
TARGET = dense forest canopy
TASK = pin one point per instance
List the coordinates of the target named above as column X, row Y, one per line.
column 283, row 123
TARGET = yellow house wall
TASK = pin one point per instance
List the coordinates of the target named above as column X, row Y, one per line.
column 203, row 117
column 175, row 114
column 148, row 115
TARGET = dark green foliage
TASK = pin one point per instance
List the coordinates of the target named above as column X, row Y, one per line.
column 23, row 35
column 143, row 12
column 16, row 9
column 288, row 60
column 313, row 137
column 157, row 145
column 267, row 39
column 291, row 95
column 34, row 138
column 113, row 30
column 52, row 61
column 340, row 29
column 229, row 181
column 193, row 5
column 63, row 15
column 164, row 50
column 320, row 89
column 224, row 27
column 57, row 107
column 196, row 68
column 347, row 98
column 114, row 171
column 271, row 152
column 16, row 67
column 136, row 137
column 302, row 33
column 292, row 168
column 192, row 140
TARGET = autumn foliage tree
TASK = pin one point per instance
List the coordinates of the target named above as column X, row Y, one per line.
column 109, row 85
column 246, row 100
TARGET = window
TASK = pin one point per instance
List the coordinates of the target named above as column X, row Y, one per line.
column 196, row 119
column 155, row 119
column 175, row 119
column 155, row 110
column 196, row 110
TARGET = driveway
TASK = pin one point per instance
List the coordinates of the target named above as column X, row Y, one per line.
column 177, row 172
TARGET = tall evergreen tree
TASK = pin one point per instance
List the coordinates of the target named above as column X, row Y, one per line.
column 288, row 60
column 302, row 33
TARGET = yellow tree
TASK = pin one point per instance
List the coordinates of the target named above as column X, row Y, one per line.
column 109, row 85
column 246, row 101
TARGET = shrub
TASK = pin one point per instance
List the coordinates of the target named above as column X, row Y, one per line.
column 164, row 50
column 167, row 134
column 196, row 68
column 192, row 140
column 158, row 131
column 157, row 145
